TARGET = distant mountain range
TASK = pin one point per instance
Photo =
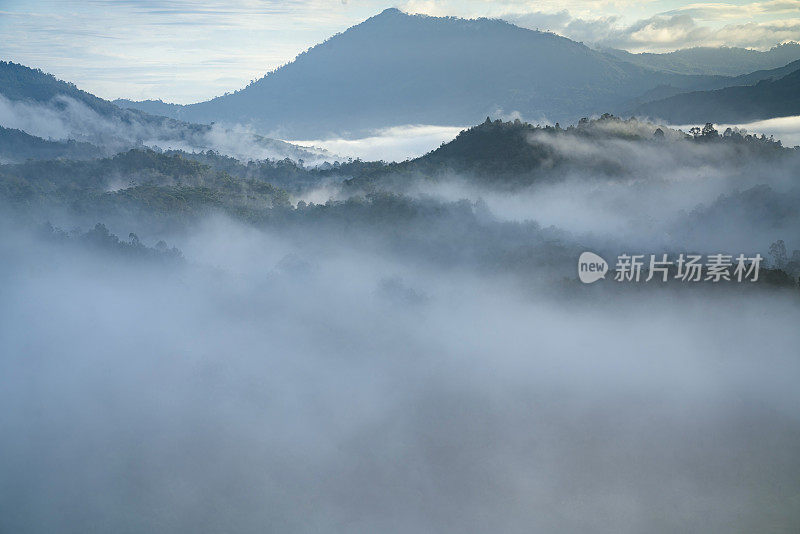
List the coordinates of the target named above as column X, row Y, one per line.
column 396, row 68
column 726, row 61
column 769, row 98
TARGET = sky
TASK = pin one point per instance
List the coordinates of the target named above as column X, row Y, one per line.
column 187, row 51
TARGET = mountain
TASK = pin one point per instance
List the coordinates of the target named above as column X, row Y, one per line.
column 23, row 84
column 508, row 155
column 292, row 176
column 666, row 91
column 43, row 106
column 134, row 183
column 760, row 75
column 17, row 146
column 154, row 107
column 396, row 68
column 726, row 61
column 766, row 99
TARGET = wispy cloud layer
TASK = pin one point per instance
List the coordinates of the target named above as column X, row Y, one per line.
column 665, row 31
column 179, row 50
column 389, row 144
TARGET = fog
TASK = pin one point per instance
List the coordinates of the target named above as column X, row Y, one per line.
column 647, row 196
column 66, row 118
column 402, row 142
column 424, row 361
column 389, row 144
column 243, row 391
column 787, row 129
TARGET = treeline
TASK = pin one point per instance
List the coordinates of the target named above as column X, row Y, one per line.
column 100, row 238
column 134, row 181
column 17, row 146
column 293, row 176
column 512, row 154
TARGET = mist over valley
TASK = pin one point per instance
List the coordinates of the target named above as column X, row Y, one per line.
column 346, row 298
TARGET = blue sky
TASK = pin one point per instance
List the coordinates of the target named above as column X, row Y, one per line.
column 185, row 50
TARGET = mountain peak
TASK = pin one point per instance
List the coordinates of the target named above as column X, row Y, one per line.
column 397, row 68
column 390, row 14
column 391, row 11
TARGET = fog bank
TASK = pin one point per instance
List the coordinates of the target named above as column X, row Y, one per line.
column 267, row 385
column 396, row 143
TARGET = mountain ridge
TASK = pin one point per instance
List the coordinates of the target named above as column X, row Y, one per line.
column 725, row 61
column 16, row 146
column 86, row 118
column 395, row 68
column 767, row 99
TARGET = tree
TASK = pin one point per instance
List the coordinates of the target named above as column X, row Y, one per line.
column 709, row 132
column 778, row 252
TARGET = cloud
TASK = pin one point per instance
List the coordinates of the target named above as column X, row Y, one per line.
column 142, row 50
column 65, row 118
column 658, row 31
column 637, row 26
column 235, row 394
column 480, row 8
column 395, row 369
column 662, row 32
column 785, row 129
column 540, row 20
column 390, row 144
column 717, row 11
column 669, row 32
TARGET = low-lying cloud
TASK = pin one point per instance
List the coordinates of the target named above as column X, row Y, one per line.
column 66, row 118
column 247, row 391
column 786, row 129
column 419, row 361
column 396, row 143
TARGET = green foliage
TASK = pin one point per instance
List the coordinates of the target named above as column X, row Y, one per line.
column 18, row 82
column 513, row 154
column 135, row 181
column 286, row 173
column 17, row 146
column 101, row 238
